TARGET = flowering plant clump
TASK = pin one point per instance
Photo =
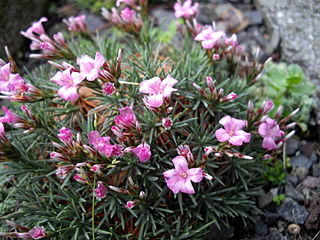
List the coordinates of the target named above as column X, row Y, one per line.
column 125, row 139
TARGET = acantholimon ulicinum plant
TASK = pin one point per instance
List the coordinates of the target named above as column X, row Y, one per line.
column 123, row 137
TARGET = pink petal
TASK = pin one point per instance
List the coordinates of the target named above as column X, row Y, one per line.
column 168, row 81
column 225, row 121
column 222, row 135
column 170, row 173
column 262, row 129
column 155, row 100
column 99, row 60
column 187, row 187
column 68, row 93
column 268, row 143
column 168, row 90
column 237, row 123
column 77, row 78
column 180, row 163
column 150, row 86
column 195, row 174
column 207, row 44
column 175, row 186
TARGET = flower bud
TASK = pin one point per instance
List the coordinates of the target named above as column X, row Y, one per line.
column 130, row 204
column 210, row 84
column 101, row 191
column 28, row 112
column 207, row 176
column 229, row 97
column 142, row 195
column 80, row 179
column 167, row 123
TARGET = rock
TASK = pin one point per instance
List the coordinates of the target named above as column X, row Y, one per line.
column 206, row 14
column 301, row 161
column 271, row 217
column 282, row 226
column 163, row 17
column 299, row 42
column 292, row 146
column 312, row 221
column 316, row 170
column 294, row 193
column 292, row 179
column 306, row 148
column 291, row 211
column 311, row 182
column 265, row 200
column 254, row 17
column 275, row 234
column 300, row 172
column 274, row 191
column 93, row 21
column 261, row 228
column 224, row 233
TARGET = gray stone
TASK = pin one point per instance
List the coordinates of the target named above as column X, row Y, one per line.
column 274, row 191
column 94, row 22
column 311, row 182
column 163, row 17
column 294, row 193
column 316, row 170
column 298, row 24
column 292, row 179
column 275, row 235
column 224, row 233
column 301, row 161
column 306, row 148
column 261, row 228
column 291, row 211
column 271, row 217
column 300, row 172
column 206, row 14
column 254, row 17
column 265, row 200
column 292, row 146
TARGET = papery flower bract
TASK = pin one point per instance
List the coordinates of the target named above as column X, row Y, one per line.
column 185, row 10
column 142, row 152
column 65, row 135
column 167, row 123
column 108, row 89
column 69, row 82
column 130, row 204
column 127, row 15
column 269, row 130
column 10, row 117
column 129, row 2
column 126, row 119
column 232, row 131
column 209, row 38
column 179, row 179
column 36, row 27
column 37, row 232
column 90, row 68
column 158, row 89
column 101, row 191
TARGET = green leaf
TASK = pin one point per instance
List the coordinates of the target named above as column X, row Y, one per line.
column 294, row 74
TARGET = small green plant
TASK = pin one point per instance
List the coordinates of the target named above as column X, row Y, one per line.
column 274, row 172
column 286, row 85
column 279, row 199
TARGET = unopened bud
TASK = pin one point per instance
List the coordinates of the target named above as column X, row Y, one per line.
column 207, row 176
column 291, row 125
column 250, row 110
column 229, row 97
column 210, row 84
column 28, row 112
column 215, row 57
column 119, row 190
column 138, row 127
column 220, row 93
column 130, row 204
column 13, row 65
column 289, row 135
column 278, row 113
column 142, row 195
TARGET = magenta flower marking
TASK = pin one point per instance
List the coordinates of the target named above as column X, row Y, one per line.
column 126, row 119
column 186, row 9
column 130, row 204
column 167, row 123
column 90, row 68
column 36, row 28
column 108, row 89
column 270, row 131
column 10, row 117
column 232, row 131
column 142, row 152
column 37, row 233
column 158, row 90
column 101, row 191
column 179, row 179
column 210, row 38
column 184, row 151
column 69, row 81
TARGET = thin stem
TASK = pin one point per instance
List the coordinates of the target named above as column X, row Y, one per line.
column 129, row 83
column 93, row 197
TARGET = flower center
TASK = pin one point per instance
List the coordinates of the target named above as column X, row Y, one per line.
column 231, row 133
column 183, row 174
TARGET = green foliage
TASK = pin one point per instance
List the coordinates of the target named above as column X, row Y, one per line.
column 286, row 85
column 279, row 199
column 275, row 172
column 95, row 5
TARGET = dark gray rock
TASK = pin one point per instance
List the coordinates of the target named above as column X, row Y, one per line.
column 291, row 211
column 294, row 193
column 270, row 217
column 254, row 17
column 311, row 182
column 206, row 14
column 224, row 233
column 298, row 24
column 292, row 179
column 265, row 200
column 261, row 228
column 94, row 22
column 301, row 161
column 275, row 235
column 300, row 172
column 316, row 170
column 292, row 146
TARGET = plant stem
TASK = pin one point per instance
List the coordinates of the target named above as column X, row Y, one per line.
column 93, row 197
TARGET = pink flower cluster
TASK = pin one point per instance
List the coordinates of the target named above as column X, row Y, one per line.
column 11, row 83
column 76, row 24
column 101, row 191
column 158, row 90
column 185, row 10
column 103, row 145
column 34, row 233
column 270, row 131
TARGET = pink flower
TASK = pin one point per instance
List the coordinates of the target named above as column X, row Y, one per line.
column 108, row 89
column 37, row 232
column 76, row 24
column 101, row 191
column 179, row 179
column 229, row 97
column 102, row 144
column 80, row 179
column 270, row 131
column 184, row 151
column 215, row 57
column 5, row 72
column 10, row 117
column 167, row 123
column 62, row 172
column 126, row 119
column 69, row 82
column 127, row 15
column 90, row 68
column 131, row 204
column 97, row 168
column 129, row 2
column 232, row 131
column 65, row 135
column 209, row 38
column 185, row 10
column 158, row 90
column 16, row 84
column 142, row 152
column 37, row 28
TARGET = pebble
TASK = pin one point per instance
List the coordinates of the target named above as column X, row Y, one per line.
column 301, row 161
column 311, row 182
column 265, row 200
column 292, row 146
column 254, row 17
column 292, row 179
column 261, row 228
column 300, row 172
column 316, row 170
column 294, row 193
column 291, row 211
